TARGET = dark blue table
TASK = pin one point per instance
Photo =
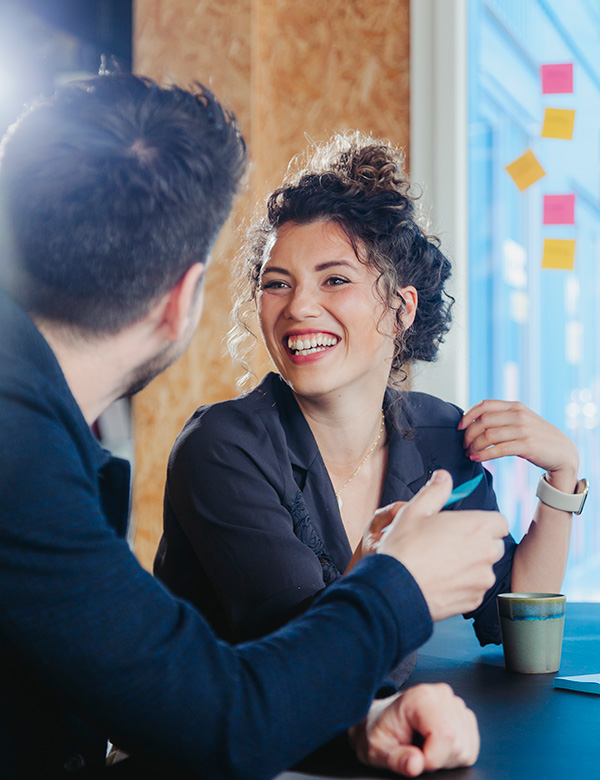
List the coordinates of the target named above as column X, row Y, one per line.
column 529, row 729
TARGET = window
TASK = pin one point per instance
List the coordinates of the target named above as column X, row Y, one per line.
column 529, row 333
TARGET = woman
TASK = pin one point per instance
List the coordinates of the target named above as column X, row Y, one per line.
column 268, row 494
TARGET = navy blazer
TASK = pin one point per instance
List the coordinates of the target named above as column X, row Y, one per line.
column 252, row 529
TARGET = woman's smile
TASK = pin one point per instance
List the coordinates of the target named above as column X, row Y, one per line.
column 309, row 344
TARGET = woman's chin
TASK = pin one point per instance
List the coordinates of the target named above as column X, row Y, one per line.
column 310, row 387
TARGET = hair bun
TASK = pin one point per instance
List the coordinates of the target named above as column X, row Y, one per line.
column 359, row 161
column 375, row 169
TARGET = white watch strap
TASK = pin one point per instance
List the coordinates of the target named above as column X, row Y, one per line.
column 566, row 502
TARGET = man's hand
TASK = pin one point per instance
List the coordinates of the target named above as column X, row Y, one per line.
column 450, row 554
column 445, row 729
column 374, row 531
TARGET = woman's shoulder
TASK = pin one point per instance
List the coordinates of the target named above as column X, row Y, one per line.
column 234, row 419
column 421, row 410
column 431, row 425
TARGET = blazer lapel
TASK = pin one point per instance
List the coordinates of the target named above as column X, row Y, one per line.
column 312, row 477
column 406, row 472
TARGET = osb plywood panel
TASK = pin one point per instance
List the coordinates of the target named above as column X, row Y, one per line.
column 287, row 68
column 182, row 41
column 323, row 66
column 204, row 40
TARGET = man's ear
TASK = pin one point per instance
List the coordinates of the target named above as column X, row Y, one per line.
column 181, row 303
column 410, row 296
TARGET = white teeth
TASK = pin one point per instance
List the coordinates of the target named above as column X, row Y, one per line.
column 317, row 342
column 311, row 351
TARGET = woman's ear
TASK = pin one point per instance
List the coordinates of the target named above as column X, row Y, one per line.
column 410, row 296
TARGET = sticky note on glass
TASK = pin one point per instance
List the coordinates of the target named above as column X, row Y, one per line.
column 558, row 253
column 557, row 78
column 559, row 209
column 558, row 123
column 525, row 170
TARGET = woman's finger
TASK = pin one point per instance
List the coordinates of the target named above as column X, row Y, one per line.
column 524, row 442
column 504, row 419
column 489, row 406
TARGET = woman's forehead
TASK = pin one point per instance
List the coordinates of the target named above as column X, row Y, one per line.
column 319, row 241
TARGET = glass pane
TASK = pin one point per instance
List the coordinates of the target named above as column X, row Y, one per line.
column 535, row 332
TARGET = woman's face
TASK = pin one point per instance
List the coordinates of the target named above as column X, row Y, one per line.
column 322, row 321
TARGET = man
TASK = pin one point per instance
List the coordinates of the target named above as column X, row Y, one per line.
column 113, row 193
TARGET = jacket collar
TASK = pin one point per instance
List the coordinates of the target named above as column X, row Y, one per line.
column 405, row 465
column 302, row 447
column 23, row 345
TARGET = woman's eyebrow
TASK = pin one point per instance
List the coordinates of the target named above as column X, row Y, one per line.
column 275, row 270
column 333, row 264
column 320, row 267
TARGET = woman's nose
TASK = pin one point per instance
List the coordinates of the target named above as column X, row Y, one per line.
column 302, row 303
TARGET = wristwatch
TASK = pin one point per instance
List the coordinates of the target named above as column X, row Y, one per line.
column 567, row 502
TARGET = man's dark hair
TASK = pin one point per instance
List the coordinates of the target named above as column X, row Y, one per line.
column 112, row 189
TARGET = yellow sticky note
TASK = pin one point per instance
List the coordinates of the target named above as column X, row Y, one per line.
column 559, row 253
column 558, row 123
column 525, row 170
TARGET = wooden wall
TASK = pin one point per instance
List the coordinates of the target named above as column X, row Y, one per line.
column 289, row 69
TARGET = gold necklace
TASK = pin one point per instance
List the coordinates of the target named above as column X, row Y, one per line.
column 361, row 464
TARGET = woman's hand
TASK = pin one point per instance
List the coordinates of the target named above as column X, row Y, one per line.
column 494, row 429
column 450, row 737
column 374, row 531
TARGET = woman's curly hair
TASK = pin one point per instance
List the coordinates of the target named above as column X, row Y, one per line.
column 358, row 183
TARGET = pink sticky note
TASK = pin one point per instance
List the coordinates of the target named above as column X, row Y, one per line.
column 557, row 78
column 559, row 209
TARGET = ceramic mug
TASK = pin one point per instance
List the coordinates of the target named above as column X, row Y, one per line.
column 532, row 627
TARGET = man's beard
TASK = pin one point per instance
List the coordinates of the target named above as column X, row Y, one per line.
column 144, row 374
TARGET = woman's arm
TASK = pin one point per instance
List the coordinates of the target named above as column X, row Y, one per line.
column 494, row 429
column 229, row 506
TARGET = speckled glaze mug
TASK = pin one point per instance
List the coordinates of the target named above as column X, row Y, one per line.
column 532, row 627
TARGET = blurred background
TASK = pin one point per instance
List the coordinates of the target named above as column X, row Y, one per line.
column 44, row 43
column 460, row 85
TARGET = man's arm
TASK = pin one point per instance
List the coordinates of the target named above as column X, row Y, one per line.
column 147, row 670
column 110, row 642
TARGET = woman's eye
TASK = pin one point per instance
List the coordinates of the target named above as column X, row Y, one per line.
column 336, row 281
column 275, row 284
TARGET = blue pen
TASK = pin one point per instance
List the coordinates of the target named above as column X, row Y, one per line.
column 464, row 490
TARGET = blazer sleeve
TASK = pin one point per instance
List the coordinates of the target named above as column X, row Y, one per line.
column 229, row 488
column 441, row 446
column 485, row 617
